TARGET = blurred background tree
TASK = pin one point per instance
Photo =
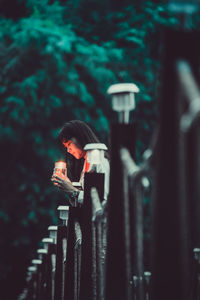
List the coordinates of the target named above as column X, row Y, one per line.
column 57, row 60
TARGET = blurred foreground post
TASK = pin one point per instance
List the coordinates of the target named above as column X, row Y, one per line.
column 172, row 252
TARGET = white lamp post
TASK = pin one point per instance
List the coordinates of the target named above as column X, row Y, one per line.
column 184, row 9
column 36, row 262
column 183, row 6
column 63, row 213
column 46, row 242
column 32, row 269
column 53, row 233
column 196, row 252
column 95, row 153
column 41, row 252
column 123, row 99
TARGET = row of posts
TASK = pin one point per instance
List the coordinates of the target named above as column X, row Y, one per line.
column 80, row 256
column 48, row 266
column 98, row 253
column 71, row 265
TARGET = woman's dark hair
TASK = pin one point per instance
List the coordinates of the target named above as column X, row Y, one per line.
column 84, row 135
column 79, row 130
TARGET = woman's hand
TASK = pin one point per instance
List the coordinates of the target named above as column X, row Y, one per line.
column 63, row 183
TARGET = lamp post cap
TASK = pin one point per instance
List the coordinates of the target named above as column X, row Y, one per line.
column 53, row 228
column 94, row 146
column 196, row 250
column 147, row 273
column 32, row 269
column 187, row 7
column 47, row 240
column 123, row 88
column 76, row 183
column 36, row 261
column 63, row 207
column 41, row 251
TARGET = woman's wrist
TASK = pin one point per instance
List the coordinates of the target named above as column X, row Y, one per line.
column 74, row 193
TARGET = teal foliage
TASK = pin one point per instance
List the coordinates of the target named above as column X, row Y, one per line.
column 57, row 62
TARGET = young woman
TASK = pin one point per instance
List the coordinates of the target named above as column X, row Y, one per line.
column 74, row 135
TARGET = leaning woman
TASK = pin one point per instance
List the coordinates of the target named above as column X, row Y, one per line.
column 74, row 135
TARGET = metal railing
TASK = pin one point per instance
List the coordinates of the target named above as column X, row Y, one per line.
column 99, row 251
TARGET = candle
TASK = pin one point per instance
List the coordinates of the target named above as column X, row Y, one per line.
column 60, row 168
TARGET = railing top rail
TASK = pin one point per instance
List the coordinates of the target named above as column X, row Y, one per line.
column 191, row 91
column 78, row 234
column 128, row 163
column 132, row 169
column 97, row 209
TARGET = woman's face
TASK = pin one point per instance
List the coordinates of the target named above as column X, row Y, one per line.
column 74, row 148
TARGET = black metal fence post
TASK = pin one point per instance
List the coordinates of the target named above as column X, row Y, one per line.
column 49, row 246
column 98, row 243
column 87, row 290
column 61, row 252
column 137, row 236
column 42, row 254
column 31, row 281
column 147, row 278
column 133, row 179
column 77, row 259
column 53, row 234
column 37, row 263
column 118, row 257
column 74, row 216
column 118, row 263
column 60, row 257
column 51, row 256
